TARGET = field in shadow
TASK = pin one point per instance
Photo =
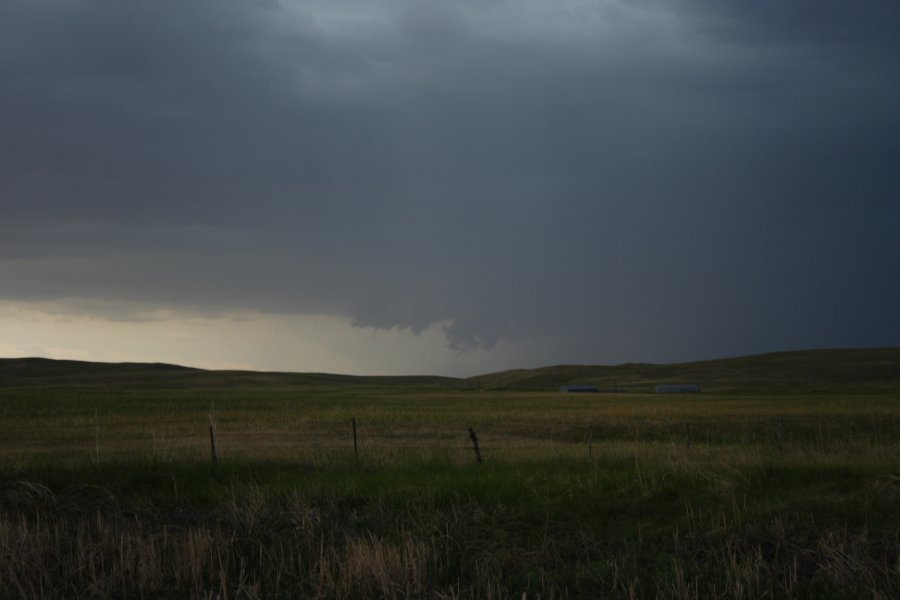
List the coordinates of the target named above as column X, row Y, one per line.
column 107, row 489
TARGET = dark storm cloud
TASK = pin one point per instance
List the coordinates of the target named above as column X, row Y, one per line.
column 621, row 180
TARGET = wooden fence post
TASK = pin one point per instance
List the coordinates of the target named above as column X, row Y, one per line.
column 355, row 448
column 212, row 441
column 97, row 436
column 474, row 439
column 687, row 429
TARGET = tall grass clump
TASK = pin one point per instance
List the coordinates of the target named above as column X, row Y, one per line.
column 563, row 528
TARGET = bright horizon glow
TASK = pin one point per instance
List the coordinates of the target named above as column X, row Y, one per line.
column 236, row 341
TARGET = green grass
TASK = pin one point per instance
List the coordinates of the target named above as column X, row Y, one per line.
column 109, row 491
column 649, row 526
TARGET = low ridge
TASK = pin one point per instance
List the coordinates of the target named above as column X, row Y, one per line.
column 44, row 372
column 873, row 369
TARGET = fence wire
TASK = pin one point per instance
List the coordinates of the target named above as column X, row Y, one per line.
column 236, row 437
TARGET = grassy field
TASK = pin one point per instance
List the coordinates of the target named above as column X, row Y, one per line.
column 107, row 489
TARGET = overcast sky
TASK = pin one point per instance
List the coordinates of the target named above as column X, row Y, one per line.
column 447, row 186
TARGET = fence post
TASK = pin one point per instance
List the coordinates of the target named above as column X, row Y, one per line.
column 355, row 449
column 212, row 441
column 96, row 437
column 474, row 439
column 687, row 429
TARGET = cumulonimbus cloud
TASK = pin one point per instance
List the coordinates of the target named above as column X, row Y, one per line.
column 606, row 174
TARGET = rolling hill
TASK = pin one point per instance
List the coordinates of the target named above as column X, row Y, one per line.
column 810, row 370
column 43, row 372
column 802, row 371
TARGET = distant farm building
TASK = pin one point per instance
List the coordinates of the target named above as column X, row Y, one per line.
column 579, row 388
column 678, row 388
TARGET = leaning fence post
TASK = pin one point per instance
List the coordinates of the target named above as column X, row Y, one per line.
column 96, row 436
column 212, row 441
column 474, row 439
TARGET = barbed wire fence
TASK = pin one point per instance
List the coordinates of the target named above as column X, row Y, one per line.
column 225, row 437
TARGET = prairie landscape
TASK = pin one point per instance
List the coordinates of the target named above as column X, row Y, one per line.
column 780, row 479
column 469, row 206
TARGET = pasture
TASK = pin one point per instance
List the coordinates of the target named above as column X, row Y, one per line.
column 110, row 491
